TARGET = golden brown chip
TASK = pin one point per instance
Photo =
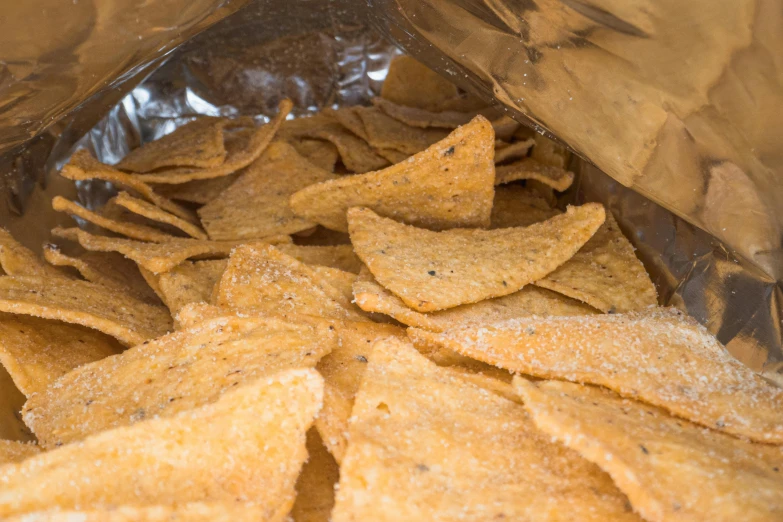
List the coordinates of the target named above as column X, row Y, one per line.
column 198, row 143
column 529, row 301
column 156, row 257
column 557, row 178
column 508, row 151
column 416, row 117
column 349, row 118
column 150, row 211
column 128, row 320
column 426, row 444
column 315, row 487
column 670, row 469
column 11, row 401
column 548, row 152
column 334, row 256
column 384, row 132
column 413, row 84
column 339, row 279
column 105, row 268
column 342, row 371
column 15, row 451
column 660, row 356
column 190, row 282
column 36, row 352
column 200, row 191
column 605, row 274
column 516, row 206
column 256, row 205
column 356, row 154
column 236, row 159
column 260, row 277
column 83, row 167
column 18, row 260
column 180, row 371
column 505, row 127
column 248, row 445
column 190, row 511
column 320, row 153
column 392, row 156
column 437, row 270
column 448, row 185
column 298, row 128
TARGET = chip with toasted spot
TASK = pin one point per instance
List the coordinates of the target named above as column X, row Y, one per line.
column 190, row 511
column 342, row 371
column 16, row 451
column 516, row 206
column 248, row 445
column 315, row 487
column 410, row 83
column 157, row 257
column 605, row 274
column 179, row 371
column 433, row 271
column 384, row 132
column 256, row 205
column 18, row 260
column 260, row 277
column 151, row 212
column 427, row 444
column 320, row 153
column 659, row 356
column 128, row 320
column 356, row 154
column 190, row 282
column 448, row 185
column 670, row 469
column 555, row 177
column 198, row 143
column 236, row 159
column 334, row 256
column 83, row 167
column 508, row 151
column 200, row 191
column 36, row 352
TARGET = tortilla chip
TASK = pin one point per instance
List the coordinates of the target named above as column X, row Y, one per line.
column 448, row 185
column 557, row 178
column 392, row 156
column 18, row 260
column 36, row 352
column 342, row 371
column 384, row 132
column 356, row 154
column 315, row 487
column 433, row 271
column 548, row 152
column 516, row 206
column 529, row 301
column 659, row 356
column 248, row 445
column 339, row 279
column 83, row 167
column 428, row 445
column 15, row 451
column 109, row 269
column 256, row 205
column 180, row 371
column 605, row 274
column 349, row 118
column 190, row 511
column 198, row 143
column 298, row 128
column 509, row 151
column 190, row 282
column 236, row 159
column 320, row 153
column 670, row 469
column 150, row 211
column 334, row 256
column 11, row 401
column 505, row 127
column 261, row 278
column 413, row 84
column 200, row 191
column 322, row 236
column 416, row 117
column 128, row 320
column 156, row 257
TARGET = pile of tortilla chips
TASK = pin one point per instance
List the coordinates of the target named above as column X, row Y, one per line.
column 369, row 314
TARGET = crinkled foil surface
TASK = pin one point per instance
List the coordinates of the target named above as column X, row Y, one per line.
column 324, row 53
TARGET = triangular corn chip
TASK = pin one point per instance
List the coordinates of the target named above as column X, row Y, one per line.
column 198, row 143
column 18, row 260
column 16, row 451
column 516, row 206
column 201, row 191
column 529, row 301
column 256, row 205
column 410, row 83
column 660, row 356
column 384, row 132
column 180, row 371
column 426, row 444
column 339, row 279
column 235, row 160
column 334, row 256
column 356, row 154
column 507, row 151
column 349, row 118
column 670, row 469
column 555, row 177
column 190, row 282
column 128, row 320
column 320, row 153
column 342, row 371
column 260, row 277
column 150, row 211
column 416, row 117
column 156, row 257
column 36, row 352
column 315, row 487
column 189, row 511
column 298, row 128
column 605, row 273
column 247, row 446
column 109, row 269
column 448, row 185
column 437, row 270
column 83, row 167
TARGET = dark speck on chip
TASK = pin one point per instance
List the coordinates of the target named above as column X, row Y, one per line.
column 449, row 151
column 431, row 272
column 361, row 358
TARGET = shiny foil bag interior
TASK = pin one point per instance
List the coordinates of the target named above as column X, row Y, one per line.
column 336, row 53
